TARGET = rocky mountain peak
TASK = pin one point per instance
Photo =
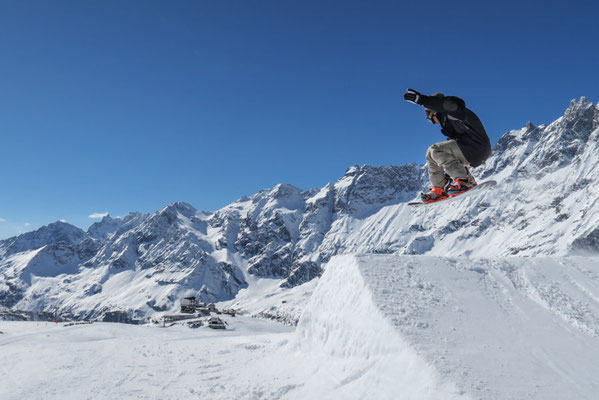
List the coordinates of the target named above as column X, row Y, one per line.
column 567, row 137
column 543, row 149
column 168, row 218
column 576, row 106
column 365, row 189
column 181, row 207
column 59, row 231
column 55, row 232
column 104, row 227
column 109, row 225
column 284, row 190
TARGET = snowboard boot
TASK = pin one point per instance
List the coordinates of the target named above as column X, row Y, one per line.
column 435, row 194
column 461, row 185
column 448, row 181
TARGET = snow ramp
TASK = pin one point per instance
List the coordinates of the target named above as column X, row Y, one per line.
column 418, row 327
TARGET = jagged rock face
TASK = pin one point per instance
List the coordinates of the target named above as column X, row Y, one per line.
column 53, row 233
column 172, row 249
column 269, row 230
column 52, row 250
column 154, row 259
column 109, row 226
column 280, row 231
column 538, row 150
column 545, row 203
column 364, row 190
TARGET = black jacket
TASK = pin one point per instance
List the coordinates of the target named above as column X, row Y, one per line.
column 462, row 125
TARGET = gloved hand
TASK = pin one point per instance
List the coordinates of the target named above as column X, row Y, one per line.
column 412, row 96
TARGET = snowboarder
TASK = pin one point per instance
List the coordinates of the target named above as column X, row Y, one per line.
column 467, row 144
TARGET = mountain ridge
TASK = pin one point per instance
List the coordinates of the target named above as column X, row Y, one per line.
column 287, row 234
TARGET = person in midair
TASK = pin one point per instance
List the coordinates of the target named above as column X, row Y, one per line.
column 467, row 144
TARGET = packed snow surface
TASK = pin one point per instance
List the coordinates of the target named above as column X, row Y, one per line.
column 512, row 328
column 376, row 327
column 40, row 360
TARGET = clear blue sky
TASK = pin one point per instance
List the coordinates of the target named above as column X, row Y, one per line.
column 118, row 106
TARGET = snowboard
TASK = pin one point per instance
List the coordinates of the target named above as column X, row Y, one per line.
column 475, row 189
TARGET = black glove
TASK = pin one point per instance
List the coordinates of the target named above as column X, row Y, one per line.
column 412, row 96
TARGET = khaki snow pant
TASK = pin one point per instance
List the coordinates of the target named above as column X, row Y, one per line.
column 445, row 157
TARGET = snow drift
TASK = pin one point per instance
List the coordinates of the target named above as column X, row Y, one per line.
column 417, row 327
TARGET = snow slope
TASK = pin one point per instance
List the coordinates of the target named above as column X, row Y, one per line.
column 377, row 327
column 386, row 326
column 355, row 350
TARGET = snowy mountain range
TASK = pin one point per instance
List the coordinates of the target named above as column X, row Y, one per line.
column 545, row 203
